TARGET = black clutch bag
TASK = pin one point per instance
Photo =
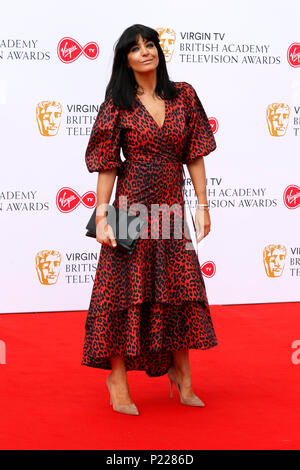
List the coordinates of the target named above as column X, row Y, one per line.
column 126, row 227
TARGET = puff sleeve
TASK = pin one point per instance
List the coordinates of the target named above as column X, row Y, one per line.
column 200, row 140
column 103, row 150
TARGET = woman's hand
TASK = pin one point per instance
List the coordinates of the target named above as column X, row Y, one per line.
column 202, row 223
column 104, row 232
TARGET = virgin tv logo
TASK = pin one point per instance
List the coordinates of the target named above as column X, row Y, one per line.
column 291, row 196
column 208, row 269
column 213, row 124
column 293, row 54
column 67, row 199
column 69, row 50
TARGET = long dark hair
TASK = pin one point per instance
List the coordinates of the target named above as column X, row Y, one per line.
column 122, row 85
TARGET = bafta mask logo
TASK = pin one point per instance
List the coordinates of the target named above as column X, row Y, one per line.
column 278, row 118
column 47, row 263
column 274, row 259
column 167, row 38
column 48, row 116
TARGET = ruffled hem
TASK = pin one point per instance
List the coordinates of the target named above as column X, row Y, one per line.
column 146, row 334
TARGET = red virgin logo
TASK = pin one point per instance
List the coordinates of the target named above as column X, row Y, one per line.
column 68, row 50
column 214, row 124
column 293, row 54
column 208, row 269
column 67, row 199
column 291, row 196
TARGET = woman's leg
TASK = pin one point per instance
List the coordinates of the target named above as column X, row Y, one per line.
column 182, row 371
column 118, row 382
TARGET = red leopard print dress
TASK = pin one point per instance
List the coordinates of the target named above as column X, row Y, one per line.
column 152, row 302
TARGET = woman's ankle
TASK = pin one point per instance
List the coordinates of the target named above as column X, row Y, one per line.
column 118, row 376
column 183, row 374
column 118, row 370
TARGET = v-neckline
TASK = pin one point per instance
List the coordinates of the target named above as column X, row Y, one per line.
column 149, row 114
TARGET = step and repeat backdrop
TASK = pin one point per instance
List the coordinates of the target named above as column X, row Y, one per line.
column 243, row 59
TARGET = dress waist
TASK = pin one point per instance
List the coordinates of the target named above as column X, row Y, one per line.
column 156, row 180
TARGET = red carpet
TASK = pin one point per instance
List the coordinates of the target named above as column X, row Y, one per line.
column 248, row 382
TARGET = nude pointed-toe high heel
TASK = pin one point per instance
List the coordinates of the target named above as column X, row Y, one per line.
column 190, row 401
column 126, row 409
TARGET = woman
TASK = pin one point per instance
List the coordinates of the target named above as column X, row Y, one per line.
column 149, row 308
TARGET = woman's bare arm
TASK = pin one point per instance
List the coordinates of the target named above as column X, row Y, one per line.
column 198, row 177
column 105, row 186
